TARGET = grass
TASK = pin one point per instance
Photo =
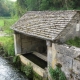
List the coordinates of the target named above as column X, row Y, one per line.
column 57, row 74
column 7, row 42
column 6, row 23
column 30, row 73
column 8, row 45
column 1, row 22
column 74, row 42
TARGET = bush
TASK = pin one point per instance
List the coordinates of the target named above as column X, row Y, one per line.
column 1, row 49
column 17, row 61
column 28, row 70
column 8, row 45
column 36, row 76
column 57, row 74
column 7, row 39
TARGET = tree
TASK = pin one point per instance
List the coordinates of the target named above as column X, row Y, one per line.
column 33, row 5
column 21, row 7
column 44, row 5
column 36, row 5
column 7, row 8
column 4, row 11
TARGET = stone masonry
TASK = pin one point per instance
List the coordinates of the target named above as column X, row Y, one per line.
column 69, row 58
column 41, row 30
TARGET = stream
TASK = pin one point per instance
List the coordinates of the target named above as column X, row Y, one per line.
column 9, row 72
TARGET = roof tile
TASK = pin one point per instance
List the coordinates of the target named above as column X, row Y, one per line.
column 44, row 24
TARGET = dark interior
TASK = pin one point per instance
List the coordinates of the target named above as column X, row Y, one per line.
column 36, row 60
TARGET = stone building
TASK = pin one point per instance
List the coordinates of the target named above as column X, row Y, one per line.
column 42, row 32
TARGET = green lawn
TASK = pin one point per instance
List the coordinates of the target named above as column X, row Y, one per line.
column 1, row 22
column 6, row 23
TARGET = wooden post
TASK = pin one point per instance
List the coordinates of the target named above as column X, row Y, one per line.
column 54, row 52
column 49, row 52
column 49, row 55
column 17, row 43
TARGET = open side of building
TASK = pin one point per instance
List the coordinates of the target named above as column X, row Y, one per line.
column 37, row 32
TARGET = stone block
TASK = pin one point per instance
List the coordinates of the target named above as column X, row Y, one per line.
column 66, row 61
column 76, row 67
column 66, row 50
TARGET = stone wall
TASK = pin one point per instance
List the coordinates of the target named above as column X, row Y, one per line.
column 69, row 58
column 71, row 29
column 29, row 44
column 36, row 68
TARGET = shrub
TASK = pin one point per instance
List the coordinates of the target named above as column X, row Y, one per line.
column 1, row 49
column 57, row 74
column 8, row 45
column 36, row 76
column 28, row 70
column 17, row 61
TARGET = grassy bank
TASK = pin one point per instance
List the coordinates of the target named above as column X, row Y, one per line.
column 1, row 22
column 7, row 42
column 6, row 23
column 8, row 45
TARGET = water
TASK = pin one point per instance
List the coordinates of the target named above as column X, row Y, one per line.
column 36, row 60
column 9, row 72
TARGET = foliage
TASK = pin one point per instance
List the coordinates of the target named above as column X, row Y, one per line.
column 7, row 41
column 1, row 49
column 33, row 5
column 6, row 23
column 7, row 8
column 28, row 70
column 1, row 23
column 36, row 76
column 57, row 74
column 37, row 5
column 44, row 5
column 74, row 42
column 16, row 61
column 8, row 45
column 21, row 6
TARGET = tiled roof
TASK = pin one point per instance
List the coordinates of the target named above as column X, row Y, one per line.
column 44, row 24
